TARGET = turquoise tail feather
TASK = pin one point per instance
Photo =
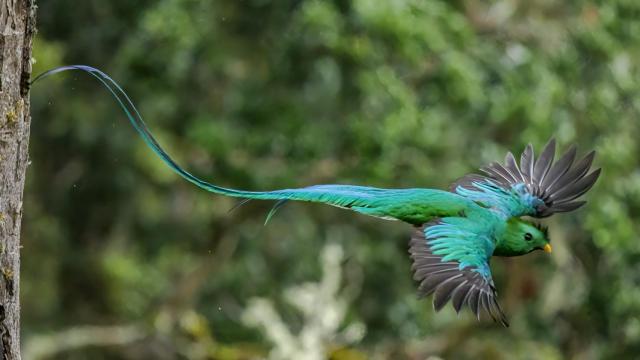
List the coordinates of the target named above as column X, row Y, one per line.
column 411, row 205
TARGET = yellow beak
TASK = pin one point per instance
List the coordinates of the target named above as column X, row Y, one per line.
column 547, row 248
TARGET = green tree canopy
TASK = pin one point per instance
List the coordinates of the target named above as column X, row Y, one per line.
column 262, row 94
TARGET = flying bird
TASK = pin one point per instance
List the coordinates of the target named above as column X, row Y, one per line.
column 455, row 231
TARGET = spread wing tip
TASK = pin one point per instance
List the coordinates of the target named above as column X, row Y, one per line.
column 557, row 183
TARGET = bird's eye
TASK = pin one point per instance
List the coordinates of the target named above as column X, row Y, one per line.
column 528, row 236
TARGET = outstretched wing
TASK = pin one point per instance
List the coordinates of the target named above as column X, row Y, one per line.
column 452, row 263
column 536, row 187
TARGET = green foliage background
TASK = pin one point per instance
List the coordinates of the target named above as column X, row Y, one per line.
column 260, row 94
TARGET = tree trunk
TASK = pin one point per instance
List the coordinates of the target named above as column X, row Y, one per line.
column 17, row 23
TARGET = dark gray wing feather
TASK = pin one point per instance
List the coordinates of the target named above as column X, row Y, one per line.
column 542, row 166
column 512, row 166
column 474, row 300
column 575, row 189
column 527, row 161
column 459, row 294
column 570, row 206
column 577, row 172
column 560, row 168
column 499, row 173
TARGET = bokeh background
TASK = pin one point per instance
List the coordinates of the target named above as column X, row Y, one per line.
column 122, row 259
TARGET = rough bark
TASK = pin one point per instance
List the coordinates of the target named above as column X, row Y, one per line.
column 17, row 23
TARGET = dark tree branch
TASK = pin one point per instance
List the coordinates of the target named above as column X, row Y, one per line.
column 17, row 23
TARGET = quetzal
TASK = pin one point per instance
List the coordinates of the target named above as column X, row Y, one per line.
column 455, row 232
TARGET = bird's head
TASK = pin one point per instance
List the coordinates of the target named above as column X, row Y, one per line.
column 520, row 237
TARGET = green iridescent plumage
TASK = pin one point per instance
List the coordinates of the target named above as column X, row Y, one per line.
column 456, row 232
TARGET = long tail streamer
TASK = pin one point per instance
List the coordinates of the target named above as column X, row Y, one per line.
column 358, row 198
